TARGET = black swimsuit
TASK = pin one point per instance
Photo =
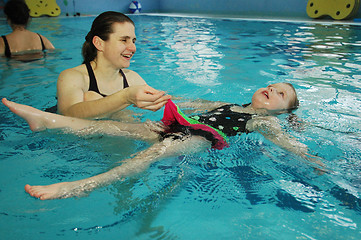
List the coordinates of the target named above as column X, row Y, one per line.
column 93, row 85
column 227, row 121
column 7, row 47
column 223, row 119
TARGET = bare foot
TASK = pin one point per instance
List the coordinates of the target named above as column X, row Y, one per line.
column 47, row 192
column 33, row 116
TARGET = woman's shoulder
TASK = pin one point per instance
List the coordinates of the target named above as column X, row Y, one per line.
column 2, row 47
column 74, row 73
column 129, row 72
column 77, row 69
column 133, row 77
column 47, row 43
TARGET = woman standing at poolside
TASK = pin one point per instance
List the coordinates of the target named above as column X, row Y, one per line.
column 102, row 85
column 21, row 43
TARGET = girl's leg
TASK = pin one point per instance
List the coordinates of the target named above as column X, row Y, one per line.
column 39, row 121
column 130, row 167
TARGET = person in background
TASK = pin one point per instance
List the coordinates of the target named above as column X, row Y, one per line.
column 21, row 44
column 102, row 85
column 177, row 134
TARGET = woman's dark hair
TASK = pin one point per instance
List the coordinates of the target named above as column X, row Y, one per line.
column 102, row 27
column 17, row 12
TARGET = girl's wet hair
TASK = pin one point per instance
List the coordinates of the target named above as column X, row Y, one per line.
column 293, row 120
column 293, row 104
column 17, row 12
column 102, row 27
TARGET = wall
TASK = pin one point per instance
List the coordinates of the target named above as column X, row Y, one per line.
column 96, row 6
column 258, row 8
column 85, row 7
column 240, row 7
column 268, row 8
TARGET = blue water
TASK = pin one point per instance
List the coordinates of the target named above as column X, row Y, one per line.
column 252, row 190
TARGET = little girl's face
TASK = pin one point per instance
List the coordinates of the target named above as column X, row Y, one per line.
column 277, row 96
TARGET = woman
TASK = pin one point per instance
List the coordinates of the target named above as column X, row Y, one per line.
column 102, row 85
column 21, row 44
column 182, row 135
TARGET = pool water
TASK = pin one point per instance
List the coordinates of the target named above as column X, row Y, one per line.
column 252, row 190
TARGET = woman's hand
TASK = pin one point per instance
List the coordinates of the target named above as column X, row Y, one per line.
column 146, row 97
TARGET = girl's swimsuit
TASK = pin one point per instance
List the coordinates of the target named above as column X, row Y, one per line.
column 215, row 125
column 7, row 47
column 93, row 85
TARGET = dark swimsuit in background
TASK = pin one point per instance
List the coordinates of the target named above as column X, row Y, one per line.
column 7, row 47
column 93, row 85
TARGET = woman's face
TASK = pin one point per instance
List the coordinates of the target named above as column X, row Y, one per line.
column 277, row 96
column 120, row 47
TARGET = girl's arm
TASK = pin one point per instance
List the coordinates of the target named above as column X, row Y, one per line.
column 198, row 105
column 271, row 129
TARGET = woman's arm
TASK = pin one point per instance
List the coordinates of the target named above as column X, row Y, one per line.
column 71, row 89
column 142, row 96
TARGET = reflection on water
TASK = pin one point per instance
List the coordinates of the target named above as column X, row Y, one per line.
column 252, row 190
column 197, row 58
column 328, row 54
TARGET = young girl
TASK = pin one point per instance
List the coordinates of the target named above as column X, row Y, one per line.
column 178, row 134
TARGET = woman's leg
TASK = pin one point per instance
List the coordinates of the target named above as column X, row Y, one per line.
column 139, row 163
column 39, row 121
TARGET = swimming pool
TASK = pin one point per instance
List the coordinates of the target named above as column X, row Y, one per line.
column 252, row 190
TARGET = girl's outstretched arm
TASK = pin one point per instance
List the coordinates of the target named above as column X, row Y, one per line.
column 271, row 129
